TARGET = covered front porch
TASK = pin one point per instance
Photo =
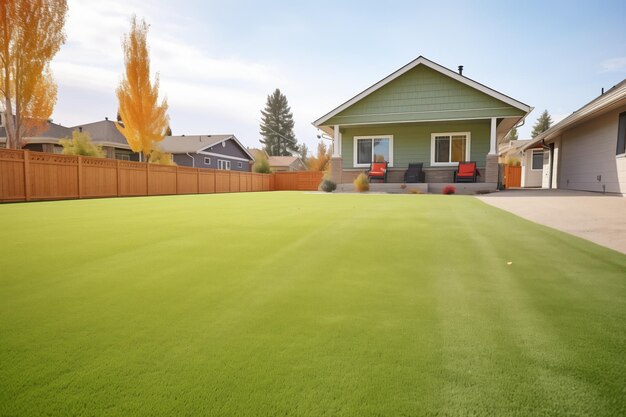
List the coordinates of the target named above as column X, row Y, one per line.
column 437, row 146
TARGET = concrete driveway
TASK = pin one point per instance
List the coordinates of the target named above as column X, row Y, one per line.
column 595, row 217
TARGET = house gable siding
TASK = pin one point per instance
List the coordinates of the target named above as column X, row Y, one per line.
column 423, row 94
column 230, row 148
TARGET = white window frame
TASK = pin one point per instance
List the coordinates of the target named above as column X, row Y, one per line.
column 207, row 160
column 223, row 164
column 122, row 156
column 532, row 157
column 468, row 138
column 371, row 137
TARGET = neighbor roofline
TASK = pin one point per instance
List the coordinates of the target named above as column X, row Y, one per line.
column 433, row 65
column 224, row 140
column 597, row 105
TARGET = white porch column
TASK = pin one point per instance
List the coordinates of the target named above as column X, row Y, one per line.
column 492, row 138
column 337, row 143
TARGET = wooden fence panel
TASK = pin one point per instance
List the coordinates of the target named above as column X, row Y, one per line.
column 26, row 175
column 98, row 177
column 235, row 185
column 512, row 176
column 52, row 176
column 206, row 181
column 12, row 176
column 188, row 181
column 161, row 179
column 133, row 178
column 257, row 182
column 222, row 182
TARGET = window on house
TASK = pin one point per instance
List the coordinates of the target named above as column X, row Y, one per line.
column 57, row 149
column 223, row 164
column 537, row 160
column 449, row 148
column 239, row 164
column 207, row 160
column 368, row 149
column 621, row 135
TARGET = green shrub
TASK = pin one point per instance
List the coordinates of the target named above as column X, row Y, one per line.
column 262, row 166
column 80, row 144
column 414, row 191
column 362, row 183
column 328, row 186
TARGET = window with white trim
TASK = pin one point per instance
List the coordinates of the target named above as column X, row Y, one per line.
column 368, row 149
column 450, row 148
column 223, row 164
column 536, row 163
column 207, row 160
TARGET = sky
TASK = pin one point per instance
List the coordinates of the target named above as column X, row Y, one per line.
column 219, row 60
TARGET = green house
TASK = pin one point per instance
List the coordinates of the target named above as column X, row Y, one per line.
column 422, row 113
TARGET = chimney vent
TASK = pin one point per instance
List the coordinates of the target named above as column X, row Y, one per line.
column 602, row 91
column 460, row 69
column 106, row 118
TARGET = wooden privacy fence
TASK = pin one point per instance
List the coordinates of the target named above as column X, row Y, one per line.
column 26, row 176
column 512, row 176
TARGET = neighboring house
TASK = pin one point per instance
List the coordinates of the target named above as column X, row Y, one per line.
column 208, row 151
column 103, row 133
column 531, row 161
column 114, row 144
column 286, row 163
column 279, row 163
column 425, row 113
column 46, row 141
column 587, row 150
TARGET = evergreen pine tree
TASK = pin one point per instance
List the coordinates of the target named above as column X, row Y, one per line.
column 513, row 134
column 277, row 126
column 543, row 123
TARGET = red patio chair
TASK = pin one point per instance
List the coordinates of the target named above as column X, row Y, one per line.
column 378, row 170
column 466, row 172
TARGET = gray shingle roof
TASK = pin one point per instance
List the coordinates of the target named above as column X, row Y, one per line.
column 53, row 131
column 188, row 144
column 103, row 131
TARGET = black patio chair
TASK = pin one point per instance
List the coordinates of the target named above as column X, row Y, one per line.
column 414, row 173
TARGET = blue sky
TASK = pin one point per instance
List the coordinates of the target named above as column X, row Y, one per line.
column 218, row 60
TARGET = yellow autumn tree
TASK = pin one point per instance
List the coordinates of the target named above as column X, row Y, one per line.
column 321, row 161
column 31, row 33
column 143, row 120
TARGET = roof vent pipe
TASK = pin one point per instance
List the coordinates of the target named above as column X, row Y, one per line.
column 106, row 118
column 460, row 69
column 602, row 91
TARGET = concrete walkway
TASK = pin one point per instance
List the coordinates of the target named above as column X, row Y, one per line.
column 595, row 217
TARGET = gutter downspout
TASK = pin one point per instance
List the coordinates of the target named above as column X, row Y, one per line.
column 193, row 161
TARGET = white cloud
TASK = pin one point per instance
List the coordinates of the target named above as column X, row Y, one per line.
column 613, row 65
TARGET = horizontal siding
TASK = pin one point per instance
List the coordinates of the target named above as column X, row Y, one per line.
column 411, row 143
column 588, row 151
column 423, row 94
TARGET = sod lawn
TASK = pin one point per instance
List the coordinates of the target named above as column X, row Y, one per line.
column 304, row 304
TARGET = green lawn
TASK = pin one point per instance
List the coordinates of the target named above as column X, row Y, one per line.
column 295, row 304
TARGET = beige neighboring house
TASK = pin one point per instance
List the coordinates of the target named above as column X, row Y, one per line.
column 586, row 151
column 531, row 160
column 279, row 163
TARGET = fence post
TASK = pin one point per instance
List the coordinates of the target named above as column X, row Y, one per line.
column 119, row 178
column 80, row 177
column 198, row 180
column 176, row 179
column 26, row 154
column 147, row 178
